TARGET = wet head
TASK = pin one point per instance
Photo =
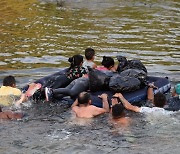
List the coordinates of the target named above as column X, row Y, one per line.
column 84, row 98
column 159, row 100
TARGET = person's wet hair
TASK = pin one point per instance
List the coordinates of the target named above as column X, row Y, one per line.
column 89, row 53
column 9, row 81
column 84, row 98
column 76, row 60
column 117, row 110
column 107, row 62
column 159, row 100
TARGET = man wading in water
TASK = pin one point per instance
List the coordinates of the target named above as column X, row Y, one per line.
column 83, row 108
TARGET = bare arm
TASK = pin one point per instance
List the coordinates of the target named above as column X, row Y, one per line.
column 126, row 104
column 75, row 103
column 150, row 93
column 105, row 102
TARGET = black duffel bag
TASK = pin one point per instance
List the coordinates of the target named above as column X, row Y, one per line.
column 139, row 74
column 125, row 64
column 120, row 83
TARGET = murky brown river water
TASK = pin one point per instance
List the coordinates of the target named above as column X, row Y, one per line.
column 36, row 39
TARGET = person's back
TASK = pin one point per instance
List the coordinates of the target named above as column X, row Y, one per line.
column 89, row 62
column 83, row 108
column 107, row 64
column 174, row 101
column 9, row 87
column 8, row 92
column 76, row 69
column 88, row 111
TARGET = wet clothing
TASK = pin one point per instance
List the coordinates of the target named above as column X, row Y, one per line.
column 8, row 100
column 73, row 89
column 151, row 110
column 76, row 72
column 7, row 90
column 8, row 95
column 173, row 104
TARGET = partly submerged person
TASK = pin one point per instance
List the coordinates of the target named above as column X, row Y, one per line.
column 173, row 103
column 9, row 87
column 9, row 90
column 83, row 108
column 159, row 101
column 9, row 115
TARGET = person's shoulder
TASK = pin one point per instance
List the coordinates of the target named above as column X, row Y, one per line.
column 95, row 108
column 85, row 62
column 17, row 91
column 7, row 90
column 101, row 68
column 75, row 108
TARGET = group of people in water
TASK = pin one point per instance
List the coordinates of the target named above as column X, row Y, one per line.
column 75, row 83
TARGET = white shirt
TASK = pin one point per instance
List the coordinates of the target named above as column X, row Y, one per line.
column 154, row 110
column 88, row 63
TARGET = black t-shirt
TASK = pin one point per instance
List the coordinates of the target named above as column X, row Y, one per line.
column 173, row 104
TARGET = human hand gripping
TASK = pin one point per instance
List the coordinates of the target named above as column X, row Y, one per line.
column 103, row 96
column 151, row 85
column 119, row 95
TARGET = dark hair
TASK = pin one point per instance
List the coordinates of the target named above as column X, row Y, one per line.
column 9, row 81
column 107, row 62
column 159, row 100
column 84, row 98
column 76, row 60
column 0, row 109
column 117, row 110
column 89, row 53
